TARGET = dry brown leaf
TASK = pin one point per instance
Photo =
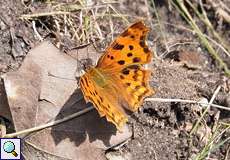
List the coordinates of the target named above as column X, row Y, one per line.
column 190, row 59
column 36, row 98
column 22, row 90
column 4, row 109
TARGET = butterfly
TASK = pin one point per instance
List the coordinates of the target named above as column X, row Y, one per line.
column 119, row 83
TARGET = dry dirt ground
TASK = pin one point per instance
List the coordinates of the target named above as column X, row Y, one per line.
column 186, row 71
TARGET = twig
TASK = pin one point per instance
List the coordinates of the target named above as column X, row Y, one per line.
column 50, row 124
column 149, row 17
column 70, row 11
column 185, row 101
column 36, row 32
column 205, row 111
column 120, row 15
column 227, row 153
column 160, row 26
column 30, row 16
column 206, row 36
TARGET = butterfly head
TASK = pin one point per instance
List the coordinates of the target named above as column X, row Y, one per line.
column 86, row 64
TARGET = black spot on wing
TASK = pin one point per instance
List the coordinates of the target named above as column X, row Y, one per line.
column 125, row 71
column 134, row 67
column 142, row 43
column 146, row 50
column 131, row 47
column 98, row 101
column 101, row 99
column 118, row 46
column 142, row 38
column 137, row 87
column 129, row 54
column 136, row 59
column 143, row 84
column 82, row 82
column 135, row 77
column 86, row 81
column 111, row 57
column 121, row 62
column 132, row 36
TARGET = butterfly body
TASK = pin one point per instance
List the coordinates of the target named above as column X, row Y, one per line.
column 98, row 77
column 119, row 82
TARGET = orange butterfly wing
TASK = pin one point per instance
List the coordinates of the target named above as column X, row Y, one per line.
column 129, row 48
column 119, row 81
column 104, row 99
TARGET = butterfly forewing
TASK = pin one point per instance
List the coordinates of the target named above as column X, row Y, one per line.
column 128, row 48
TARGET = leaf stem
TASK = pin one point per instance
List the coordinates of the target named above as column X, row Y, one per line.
column 50, row 124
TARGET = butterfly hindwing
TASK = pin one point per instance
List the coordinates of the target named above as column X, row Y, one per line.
column 135, row 80
column 102, row 100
